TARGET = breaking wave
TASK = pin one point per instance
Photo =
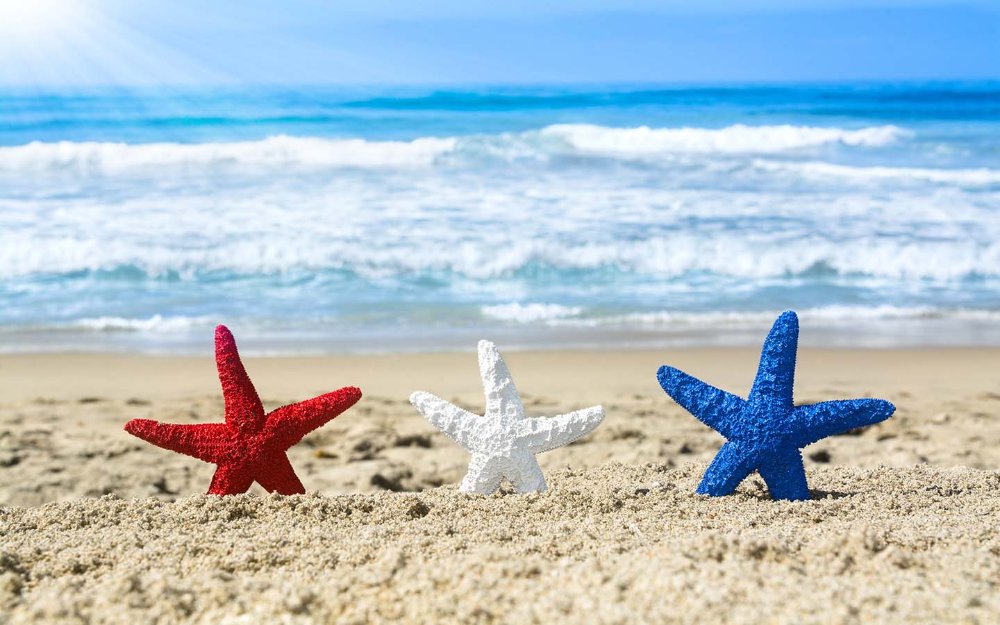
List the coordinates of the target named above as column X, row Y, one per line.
column 665, row 257
column 558, row 315
column 314, row 152
column 279, row 151
column 818, row 170
column 734, row 139
column 154, row 324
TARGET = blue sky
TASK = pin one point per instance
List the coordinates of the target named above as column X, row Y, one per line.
column 453, row 41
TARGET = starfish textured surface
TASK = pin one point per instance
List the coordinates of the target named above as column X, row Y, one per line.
column 250, row 446
column 766, row 432
column 503, row 442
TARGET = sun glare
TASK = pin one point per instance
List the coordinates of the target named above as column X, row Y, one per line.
column 77, row 42
column 33, row 18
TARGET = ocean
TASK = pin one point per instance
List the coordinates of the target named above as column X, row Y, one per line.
column 316, row 220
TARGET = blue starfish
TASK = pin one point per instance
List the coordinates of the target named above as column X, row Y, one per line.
column 766, row 431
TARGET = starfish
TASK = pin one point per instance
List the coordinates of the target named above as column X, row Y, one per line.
column 766, row 431
column 503, row 442
column 250, row 446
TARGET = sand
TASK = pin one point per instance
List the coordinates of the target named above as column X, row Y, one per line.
column 99, row 527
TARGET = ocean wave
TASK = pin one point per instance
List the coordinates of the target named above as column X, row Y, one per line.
column 547, row 315
column 529, row 313
column 734, row 139
column 812, row 169
column 834, row 314
column 314, row 152
column 273, row 152
column 665, row 257
column 153, row 324
column 666, row 319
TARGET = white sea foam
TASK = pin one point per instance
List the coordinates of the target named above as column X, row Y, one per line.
column 154, row 324
column 279, row 151
column 314, row 152
column 731, row 139
column 557, row 315
column 670, row 255
column 835, row 314
column 820, row 170
column 530, row 313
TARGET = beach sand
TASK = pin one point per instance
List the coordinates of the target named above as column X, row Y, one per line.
column 101, row 527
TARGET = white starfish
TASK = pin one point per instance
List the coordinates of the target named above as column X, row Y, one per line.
column 503, row 442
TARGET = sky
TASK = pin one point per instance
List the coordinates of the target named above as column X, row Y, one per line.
column 192, row 42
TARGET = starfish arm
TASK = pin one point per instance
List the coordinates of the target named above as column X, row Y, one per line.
column 817, row 421
column 278, row 476
column 230, row 480
column 483, row 477
column 244, row 410
column 290, row 423
column 712, row 406
column 785, row 476
column 498, row 385
column 730, row 467
column 527, row 476
column 457, row 424
column 776, row 372
column 545, row 433
column 205, row 441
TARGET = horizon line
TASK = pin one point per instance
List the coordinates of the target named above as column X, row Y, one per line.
column 666, row 85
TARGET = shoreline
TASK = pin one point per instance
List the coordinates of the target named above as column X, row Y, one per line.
column 28, row 375
column 61, row 416
column 172, row 338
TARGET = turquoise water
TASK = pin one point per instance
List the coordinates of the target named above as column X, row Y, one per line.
column 368, row 219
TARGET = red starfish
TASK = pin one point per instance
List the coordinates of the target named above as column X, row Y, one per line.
column 250, row 445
